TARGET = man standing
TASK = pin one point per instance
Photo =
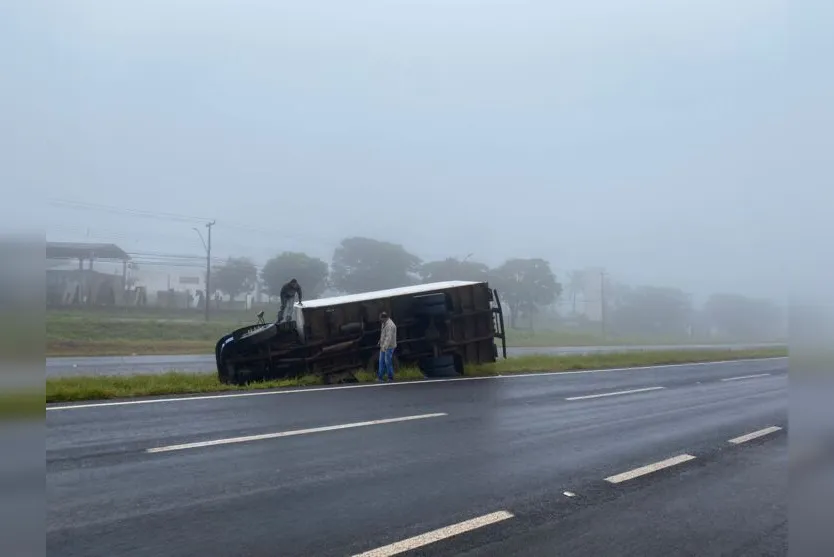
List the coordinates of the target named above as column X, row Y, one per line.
column 288, row 292
column 387, row 344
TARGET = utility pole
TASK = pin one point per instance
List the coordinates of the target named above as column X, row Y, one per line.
column 208, row 264
column 208, row 268
column 602, row 301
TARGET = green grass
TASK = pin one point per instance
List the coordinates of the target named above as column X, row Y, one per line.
column 536, row 363
column 403, row 374
column 108, row 387
column 157, row 332
column 543, row 338
column 81, row 334
column 103, row 387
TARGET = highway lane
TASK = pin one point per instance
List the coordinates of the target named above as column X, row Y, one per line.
column 128, row 365
column 735, row 505
column 472, row 448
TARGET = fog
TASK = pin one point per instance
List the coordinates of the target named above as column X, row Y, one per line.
column 664, row 141
column 669, row 143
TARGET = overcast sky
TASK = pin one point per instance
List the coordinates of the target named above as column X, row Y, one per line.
column 651, row 137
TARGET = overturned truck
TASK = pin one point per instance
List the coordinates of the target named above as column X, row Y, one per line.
column 441, row 327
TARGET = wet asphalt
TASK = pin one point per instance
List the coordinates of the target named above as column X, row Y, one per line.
column 537, row 448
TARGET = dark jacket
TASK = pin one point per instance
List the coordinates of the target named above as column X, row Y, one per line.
column 289, row 290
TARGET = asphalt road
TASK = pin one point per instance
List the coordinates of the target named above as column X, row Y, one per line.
column 129, row 365
column 497, row 466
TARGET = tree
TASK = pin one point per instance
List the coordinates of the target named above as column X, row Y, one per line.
column 654, row 311
column 742, row 318
column 526, row 285
column 363, row 264
column 236, row 276
column 311, row 273
column 453, row 269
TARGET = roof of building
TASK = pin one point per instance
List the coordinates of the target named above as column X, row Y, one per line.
column 390, row 293
column 76, row 250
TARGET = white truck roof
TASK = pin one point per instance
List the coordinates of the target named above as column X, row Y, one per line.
column 391, row 292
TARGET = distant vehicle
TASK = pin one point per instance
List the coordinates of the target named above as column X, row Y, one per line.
column 441, row 327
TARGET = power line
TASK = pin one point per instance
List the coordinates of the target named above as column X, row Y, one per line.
column 267, row 232
column 164, row 255
column 262, row 233
column 86, row 233
column 168, row 265
column 121, row 210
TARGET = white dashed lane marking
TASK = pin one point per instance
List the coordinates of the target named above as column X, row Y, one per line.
column 746, row 377
column 648, row 469
column 754, row 435
column 600, row 395
column 288, row 433
column 437, row 535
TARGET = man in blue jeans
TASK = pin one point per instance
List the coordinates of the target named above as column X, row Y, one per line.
column 387, row 345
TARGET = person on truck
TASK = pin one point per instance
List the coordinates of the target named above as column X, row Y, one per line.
column 387, row 344
column 288, row 292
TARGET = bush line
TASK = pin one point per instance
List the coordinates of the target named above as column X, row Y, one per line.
column 72, row 389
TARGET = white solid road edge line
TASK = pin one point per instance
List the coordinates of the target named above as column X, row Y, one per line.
column 404, row 383
column 437, row 535
column 648, row 469
column 745, row 377
column 288, row 433
column 600, row 395
column 754, row 435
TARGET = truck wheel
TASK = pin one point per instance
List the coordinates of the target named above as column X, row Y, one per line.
column 445, row 371
column 441, row 366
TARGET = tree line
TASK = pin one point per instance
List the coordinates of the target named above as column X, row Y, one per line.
column 528, row 287
column 364, row 264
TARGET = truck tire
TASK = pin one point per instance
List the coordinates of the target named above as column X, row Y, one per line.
column 441, row 366
column 445, row 371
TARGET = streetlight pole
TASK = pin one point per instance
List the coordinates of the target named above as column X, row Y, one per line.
column 207, row 246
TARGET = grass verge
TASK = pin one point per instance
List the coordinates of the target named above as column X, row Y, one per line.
column 100, row 333
column 67, row 389
column 70, row 389
column 535, row 363
column 123, row 347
